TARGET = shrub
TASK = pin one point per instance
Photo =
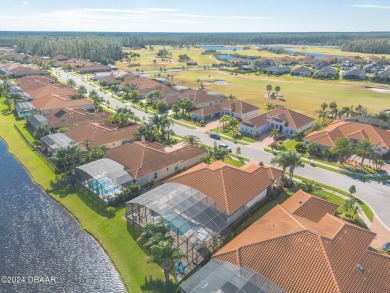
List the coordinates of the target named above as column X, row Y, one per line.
column 300, row 148
column 110, row 212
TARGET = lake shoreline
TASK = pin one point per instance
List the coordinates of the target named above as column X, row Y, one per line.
column 52, row 197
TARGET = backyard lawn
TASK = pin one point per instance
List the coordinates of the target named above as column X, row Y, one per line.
column 112, row 234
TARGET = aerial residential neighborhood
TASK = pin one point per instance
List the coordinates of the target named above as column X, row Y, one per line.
column 149, row 148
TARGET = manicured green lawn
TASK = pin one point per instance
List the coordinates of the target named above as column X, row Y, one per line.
column 233, row 162
column 226, row 133
column 112, row 234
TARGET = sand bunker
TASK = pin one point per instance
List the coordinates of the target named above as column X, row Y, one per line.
column 380, row 90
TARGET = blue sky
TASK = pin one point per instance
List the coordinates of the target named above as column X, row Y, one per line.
column 195, row 15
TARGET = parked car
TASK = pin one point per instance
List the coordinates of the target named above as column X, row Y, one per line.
column 386, row 246
column 225, row 146
column 215, row 135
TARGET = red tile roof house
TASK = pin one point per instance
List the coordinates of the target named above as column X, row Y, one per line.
column 355, row 131
column 102, row 134
column 288, row 122
column 299, row 246
column 94, row 68
column 204, row 204
column 25, row 71
column 68, row 117
column 200, row 99
column 53, row 102
column 239, row 61
column 233, row 108
column 146, row 161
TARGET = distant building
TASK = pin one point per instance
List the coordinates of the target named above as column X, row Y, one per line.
column 301, row 71
column 53, row 142
column 24, row 109
column 355, row 74
column 277, row 70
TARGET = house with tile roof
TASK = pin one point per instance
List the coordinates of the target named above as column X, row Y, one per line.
column 203, row 205
column 355, row 73
column 288, row 122
column 229, row 186
column 102, row 134
column 355, row 131
column 146, row 161
column 200, row 99
column 96, row 67
column 326, row 73
column 300, row 246
column 70, row 117
column 277, row 70
column 233, row 108
column 54, row 102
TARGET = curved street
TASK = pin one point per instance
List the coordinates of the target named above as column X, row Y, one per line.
column 375, row 193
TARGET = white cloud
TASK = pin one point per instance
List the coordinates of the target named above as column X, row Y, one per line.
column 25, row 4
column 369, row 6
column 107, row 19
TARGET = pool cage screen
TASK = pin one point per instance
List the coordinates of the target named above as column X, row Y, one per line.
column 198, row 223
column 105, row 178
column 222, row 276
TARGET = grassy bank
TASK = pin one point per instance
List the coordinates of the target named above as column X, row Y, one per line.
column 112, row 234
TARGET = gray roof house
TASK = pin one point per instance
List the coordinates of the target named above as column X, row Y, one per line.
column 277, row 70
column 56, row 141
column 326, row 72
column 24, row 109
column 355, row 74
column 369, row 68
column 35, row 121
column 301, row 71
column 14, row 89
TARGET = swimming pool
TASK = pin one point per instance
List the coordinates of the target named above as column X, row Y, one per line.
column 179, row 222
column 104, row 186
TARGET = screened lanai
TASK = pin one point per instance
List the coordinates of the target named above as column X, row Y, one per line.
column 198, row 223
column 105, row 178
column 222, row 276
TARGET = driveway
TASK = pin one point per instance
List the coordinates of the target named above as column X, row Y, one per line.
column 375, row 193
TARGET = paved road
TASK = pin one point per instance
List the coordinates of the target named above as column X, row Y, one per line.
column 376, row 194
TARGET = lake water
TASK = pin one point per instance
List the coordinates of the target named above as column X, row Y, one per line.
column 230, row 57
column 38, row 237
column 220, row 48
column 292, row 50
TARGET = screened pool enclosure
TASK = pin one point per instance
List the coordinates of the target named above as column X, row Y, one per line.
column 198, row 223
column 222, row 276
column 105, row 178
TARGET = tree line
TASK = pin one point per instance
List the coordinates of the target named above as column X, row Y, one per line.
column 103, row 50
column 374, row 46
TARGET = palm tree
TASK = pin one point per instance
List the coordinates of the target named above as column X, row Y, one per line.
column 364, row 149
column 42, row 130
column 157, row 239
column 311, row 187
column 191, row 140
column 148, row 131
column 294, row 161
column 281, row 161
column 324, row 106
column 175, row 108
column 96, row 99
column 224, row 120
column 231, row 97
column 274, row 134
column 71, row 83
column 86, row 142
column 82, row 90
column 198, row 81
column 154, row 62
column 268, row 107
column 8, row 102
column 277, row 90
column 342, row 148
column 269, row 89
column 333, row 107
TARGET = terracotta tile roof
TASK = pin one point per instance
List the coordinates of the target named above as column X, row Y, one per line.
column 239, row 106
column 301, row 255
column 141, row 159
column 140, row 82
column 207, row 110
column 40, row 78
column 38, row 89
column 229, row 186
column 68, row 117
column 350, row 129
column 199, row 97
column 188, row 152
column 53, row 103
column 293, row 119
column 101, row 133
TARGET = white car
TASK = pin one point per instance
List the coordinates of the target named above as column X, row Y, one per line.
column 225, row 146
